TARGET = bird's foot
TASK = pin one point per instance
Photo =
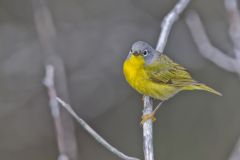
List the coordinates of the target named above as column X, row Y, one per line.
column 150, row 116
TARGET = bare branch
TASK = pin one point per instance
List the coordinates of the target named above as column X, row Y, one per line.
column 234, row 24
column 236, row 152
column 204, row 45
column 46, row 31
column 93, row 133
column 55, row 110
column 215, row 55
column 167, row 23
column 148, row 130
column 54, row 100
column 166, row 26
column 234, row 32
column 63, row 157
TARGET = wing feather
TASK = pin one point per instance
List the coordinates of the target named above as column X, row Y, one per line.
column 164, row 70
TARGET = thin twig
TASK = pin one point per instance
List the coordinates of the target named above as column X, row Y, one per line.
column 167, row 23
column 205, row 47
column 93, row 133
column 166, row 26
column 54, row 100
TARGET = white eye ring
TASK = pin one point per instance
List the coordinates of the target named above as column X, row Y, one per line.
column 145, row 53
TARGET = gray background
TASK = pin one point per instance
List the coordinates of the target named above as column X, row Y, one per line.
column 94, row 38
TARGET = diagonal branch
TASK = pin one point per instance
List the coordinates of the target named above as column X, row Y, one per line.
column 93, row 133
column 167, row 23
column 54, row 103
column 205, row 47
column 166, row 26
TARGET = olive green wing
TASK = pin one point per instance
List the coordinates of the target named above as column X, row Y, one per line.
column 164, row 70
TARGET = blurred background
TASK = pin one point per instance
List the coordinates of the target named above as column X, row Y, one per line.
column 93, row 39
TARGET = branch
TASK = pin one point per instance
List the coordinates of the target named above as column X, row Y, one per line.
column 46, row 31
column 236, row 152
column 93, row 133
column 215, row 55
column 54, row 100
column 167, row 23
column 205, row 47
column 234, row 32
column 148, row 130
column 234, row 24
column 166, row 26
column 55, row 110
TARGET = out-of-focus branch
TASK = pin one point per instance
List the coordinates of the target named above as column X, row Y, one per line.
column 215, row 55
column 235, row 155
column 93, row 133
column 205, row 47
column 55, row 69
column 55, row 110
column 167, row 23
column 66, row 139
column 234, row 24
column 54, row 101
column 234, row 32
column 166, row 26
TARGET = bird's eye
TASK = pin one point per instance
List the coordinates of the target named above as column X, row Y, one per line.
column 130, row 51
column 145, row 52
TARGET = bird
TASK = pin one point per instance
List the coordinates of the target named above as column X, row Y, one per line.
column 154, row 74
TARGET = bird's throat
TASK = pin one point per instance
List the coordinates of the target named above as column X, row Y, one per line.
column 135, row 61
column 132, row 66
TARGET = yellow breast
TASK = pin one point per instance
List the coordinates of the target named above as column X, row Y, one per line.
column 134, row 72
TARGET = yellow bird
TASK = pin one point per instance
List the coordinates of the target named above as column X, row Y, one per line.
column 154, row 74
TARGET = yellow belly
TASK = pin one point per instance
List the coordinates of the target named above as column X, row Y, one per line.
column 135, row 75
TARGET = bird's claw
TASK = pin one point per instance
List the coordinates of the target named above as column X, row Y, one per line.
column 148, row 117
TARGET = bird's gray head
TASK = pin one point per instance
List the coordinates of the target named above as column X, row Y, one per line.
column 141, row 48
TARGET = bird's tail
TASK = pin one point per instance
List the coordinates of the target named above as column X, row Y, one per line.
column 200, row 86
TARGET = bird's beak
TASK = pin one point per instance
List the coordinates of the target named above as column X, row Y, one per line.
column 135, row 53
